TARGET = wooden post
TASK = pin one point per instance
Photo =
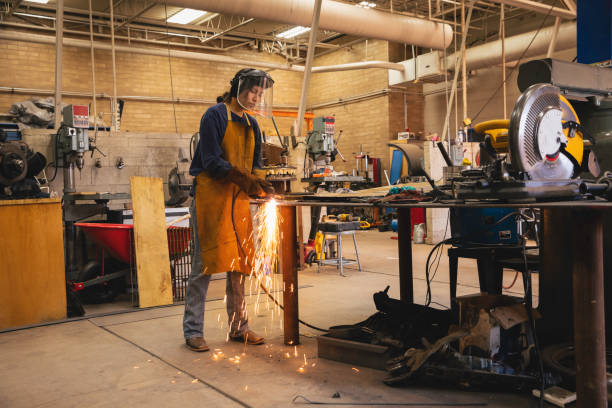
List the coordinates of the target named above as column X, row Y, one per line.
column 288, row 268
column 404, row 249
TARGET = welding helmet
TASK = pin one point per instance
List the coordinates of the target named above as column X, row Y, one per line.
column 252, row 88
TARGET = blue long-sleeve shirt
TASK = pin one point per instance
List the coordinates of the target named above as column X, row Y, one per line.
column 208, row 154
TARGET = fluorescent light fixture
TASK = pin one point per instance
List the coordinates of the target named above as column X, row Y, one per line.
column 366, row 4
column 38, row 1
column 294, row 32
column 186, row 16
column 34, row 16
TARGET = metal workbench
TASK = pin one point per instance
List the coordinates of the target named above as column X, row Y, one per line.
column 571, row 247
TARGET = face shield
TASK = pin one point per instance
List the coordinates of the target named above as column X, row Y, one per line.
column 254, row 92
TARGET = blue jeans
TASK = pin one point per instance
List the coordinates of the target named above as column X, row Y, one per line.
column 195, row 299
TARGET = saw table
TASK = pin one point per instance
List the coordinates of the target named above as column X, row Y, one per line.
column 572, row 263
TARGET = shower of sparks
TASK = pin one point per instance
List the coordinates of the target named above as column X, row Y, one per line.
column 266, row 237
column 355, row 369
column 295, row 353
column 301, row 370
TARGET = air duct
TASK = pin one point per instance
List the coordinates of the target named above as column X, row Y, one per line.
column 335, row 16
column 432, row 65
column 489, row 54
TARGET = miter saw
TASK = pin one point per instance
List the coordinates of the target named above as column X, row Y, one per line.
column 539, row 153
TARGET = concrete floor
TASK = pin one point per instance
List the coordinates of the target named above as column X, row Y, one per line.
column 138, row 358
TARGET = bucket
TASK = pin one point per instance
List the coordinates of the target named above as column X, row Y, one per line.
column 418, row 234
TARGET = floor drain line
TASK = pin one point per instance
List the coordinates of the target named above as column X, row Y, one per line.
column 225, row 394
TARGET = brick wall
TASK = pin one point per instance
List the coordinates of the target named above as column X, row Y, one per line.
column 148, row 127
column 29, row 65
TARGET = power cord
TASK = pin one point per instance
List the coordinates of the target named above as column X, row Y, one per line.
column 54, row 163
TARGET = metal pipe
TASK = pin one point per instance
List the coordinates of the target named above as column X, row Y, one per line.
column 308, row 66
column 456, row 64
column 487, row 55
column 222, row 59
column 93, row 73
column 553, row 41
column 114, row 123
column 502, row 39
column 288, row 269
column 335, row 16
column 59, row 43
column 404, row 249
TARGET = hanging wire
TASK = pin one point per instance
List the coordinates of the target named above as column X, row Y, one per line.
column 518, row 63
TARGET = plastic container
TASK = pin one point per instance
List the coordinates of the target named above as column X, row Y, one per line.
column 418, row 235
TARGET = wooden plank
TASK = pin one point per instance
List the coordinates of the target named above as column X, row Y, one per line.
column 33, row 288
column 151, row 242
column 30, row 201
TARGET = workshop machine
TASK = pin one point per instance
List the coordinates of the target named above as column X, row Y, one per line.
column 322, row 148
column 71, row 143
column 18, row 167
column 544, row 151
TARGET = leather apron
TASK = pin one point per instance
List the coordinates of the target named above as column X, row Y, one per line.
column 218, row 201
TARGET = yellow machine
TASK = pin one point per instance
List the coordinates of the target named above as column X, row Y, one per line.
column 541, row 134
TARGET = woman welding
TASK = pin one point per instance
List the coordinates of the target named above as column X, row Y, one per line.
column 225, row 167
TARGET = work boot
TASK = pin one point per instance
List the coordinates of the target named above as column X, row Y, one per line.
column 249, row 336
column 197, row 344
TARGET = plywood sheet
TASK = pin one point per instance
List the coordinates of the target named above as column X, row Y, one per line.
column 151, row 242
column 33, row 284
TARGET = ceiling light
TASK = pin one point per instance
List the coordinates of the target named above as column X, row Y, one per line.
column 186, row 16
column 38, row 1
column 294, row 32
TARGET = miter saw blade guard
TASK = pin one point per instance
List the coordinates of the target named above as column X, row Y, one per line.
column 540, row 145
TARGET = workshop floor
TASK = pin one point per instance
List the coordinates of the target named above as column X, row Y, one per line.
column 138, row 358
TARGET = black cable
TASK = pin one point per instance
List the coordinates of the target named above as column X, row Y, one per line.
column 55, row 154
column 395, row 404
column 527, row 288
column 234, row 196
column 517, row 63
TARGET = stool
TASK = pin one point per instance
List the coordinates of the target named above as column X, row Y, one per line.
column 491, row 261
column 337, row 229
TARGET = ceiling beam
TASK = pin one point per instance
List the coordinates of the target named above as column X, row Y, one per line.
column 539, row 8
column 135, row 16
column 14, row 7
column 227, row 30
column 191, row 29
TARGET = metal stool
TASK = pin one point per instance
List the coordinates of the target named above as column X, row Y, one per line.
column 339, row 261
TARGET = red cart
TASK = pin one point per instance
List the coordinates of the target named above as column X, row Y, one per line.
column 117, row 240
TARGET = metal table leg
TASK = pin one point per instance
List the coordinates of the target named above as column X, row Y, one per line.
column 589, row 322
column 404, row 247
column 356, row 251
column 288, row 268
column 339, row 240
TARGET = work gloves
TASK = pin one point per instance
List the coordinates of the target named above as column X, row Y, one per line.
column 250, row 184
